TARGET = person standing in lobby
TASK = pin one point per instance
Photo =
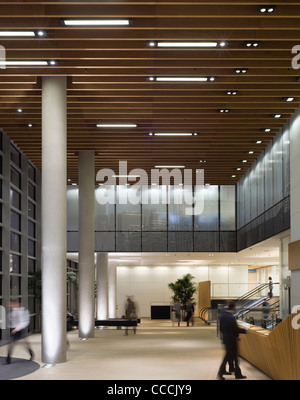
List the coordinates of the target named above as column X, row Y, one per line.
column 230, row 333
column 270, row 287
column 190, row 312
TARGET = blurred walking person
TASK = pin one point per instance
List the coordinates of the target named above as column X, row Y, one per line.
column 130, row 313
column 19, row 320
column 177, row 309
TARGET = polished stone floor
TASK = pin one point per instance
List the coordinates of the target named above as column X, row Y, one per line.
column 158, row 351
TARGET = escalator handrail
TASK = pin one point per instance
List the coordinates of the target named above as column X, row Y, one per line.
column 245, row 310
column 256, row 290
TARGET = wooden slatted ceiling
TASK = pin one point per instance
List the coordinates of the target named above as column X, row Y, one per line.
column 108, row 71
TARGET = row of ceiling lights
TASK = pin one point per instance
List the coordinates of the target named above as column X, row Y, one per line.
column 123, row 22
column 109, row 22
column 176, row 134
column 40, row 33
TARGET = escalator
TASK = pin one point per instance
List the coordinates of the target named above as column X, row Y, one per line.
column 251, row 300
column 254, row 307
column 257, row 308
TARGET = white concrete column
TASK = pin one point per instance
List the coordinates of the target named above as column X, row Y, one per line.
column 54, row 229
column 295, row 199
column 112, row 292
column 86, row 294
column 102, row 285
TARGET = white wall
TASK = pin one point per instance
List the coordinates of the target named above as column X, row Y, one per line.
column 150, row 284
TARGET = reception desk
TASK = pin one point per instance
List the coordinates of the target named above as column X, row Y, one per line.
column 160, row 311
column 276, row 353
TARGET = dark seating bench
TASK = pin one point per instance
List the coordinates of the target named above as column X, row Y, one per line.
column 118, row 322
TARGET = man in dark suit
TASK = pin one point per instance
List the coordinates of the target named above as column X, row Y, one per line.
column 230, row 332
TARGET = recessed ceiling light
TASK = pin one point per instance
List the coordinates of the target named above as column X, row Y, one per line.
column 241, row 70
column 224, row 110
column 252, row 44
column 276, row 115
column 96, row 22
column 239, row 169
column 116, row 125
column 203, row 161
column 288, row 99
column 267, row 129
column 266, row 9
column 40, row 33
column 232, row 92
column 258, row 141
column 30, row 125
column 20, row 110
column 233, row 176
column 250, row 152
column 244, row 161
column 52, row 62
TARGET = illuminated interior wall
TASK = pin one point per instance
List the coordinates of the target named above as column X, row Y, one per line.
column 149, row 285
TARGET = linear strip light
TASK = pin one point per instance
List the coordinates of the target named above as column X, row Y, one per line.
column 116, row 125
column 187, row 44
column 169, row 166
column 28, row 63
column 182, row 79
column 126, row 176
column 173, row 134
column 96, row 22
column 36, row 33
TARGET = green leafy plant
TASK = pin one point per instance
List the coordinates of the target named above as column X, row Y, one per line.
column 35, row 284
column 183, row 289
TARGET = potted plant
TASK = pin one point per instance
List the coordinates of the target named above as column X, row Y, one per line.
column 183, row 289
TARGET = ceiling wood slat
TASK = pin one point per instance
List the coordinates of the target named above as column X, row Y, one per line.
column 108, row 72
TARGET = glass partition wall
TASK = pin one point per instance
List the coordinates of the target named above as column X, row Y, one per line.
column 19, row 233
column 158, row 220
column 263, row 194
